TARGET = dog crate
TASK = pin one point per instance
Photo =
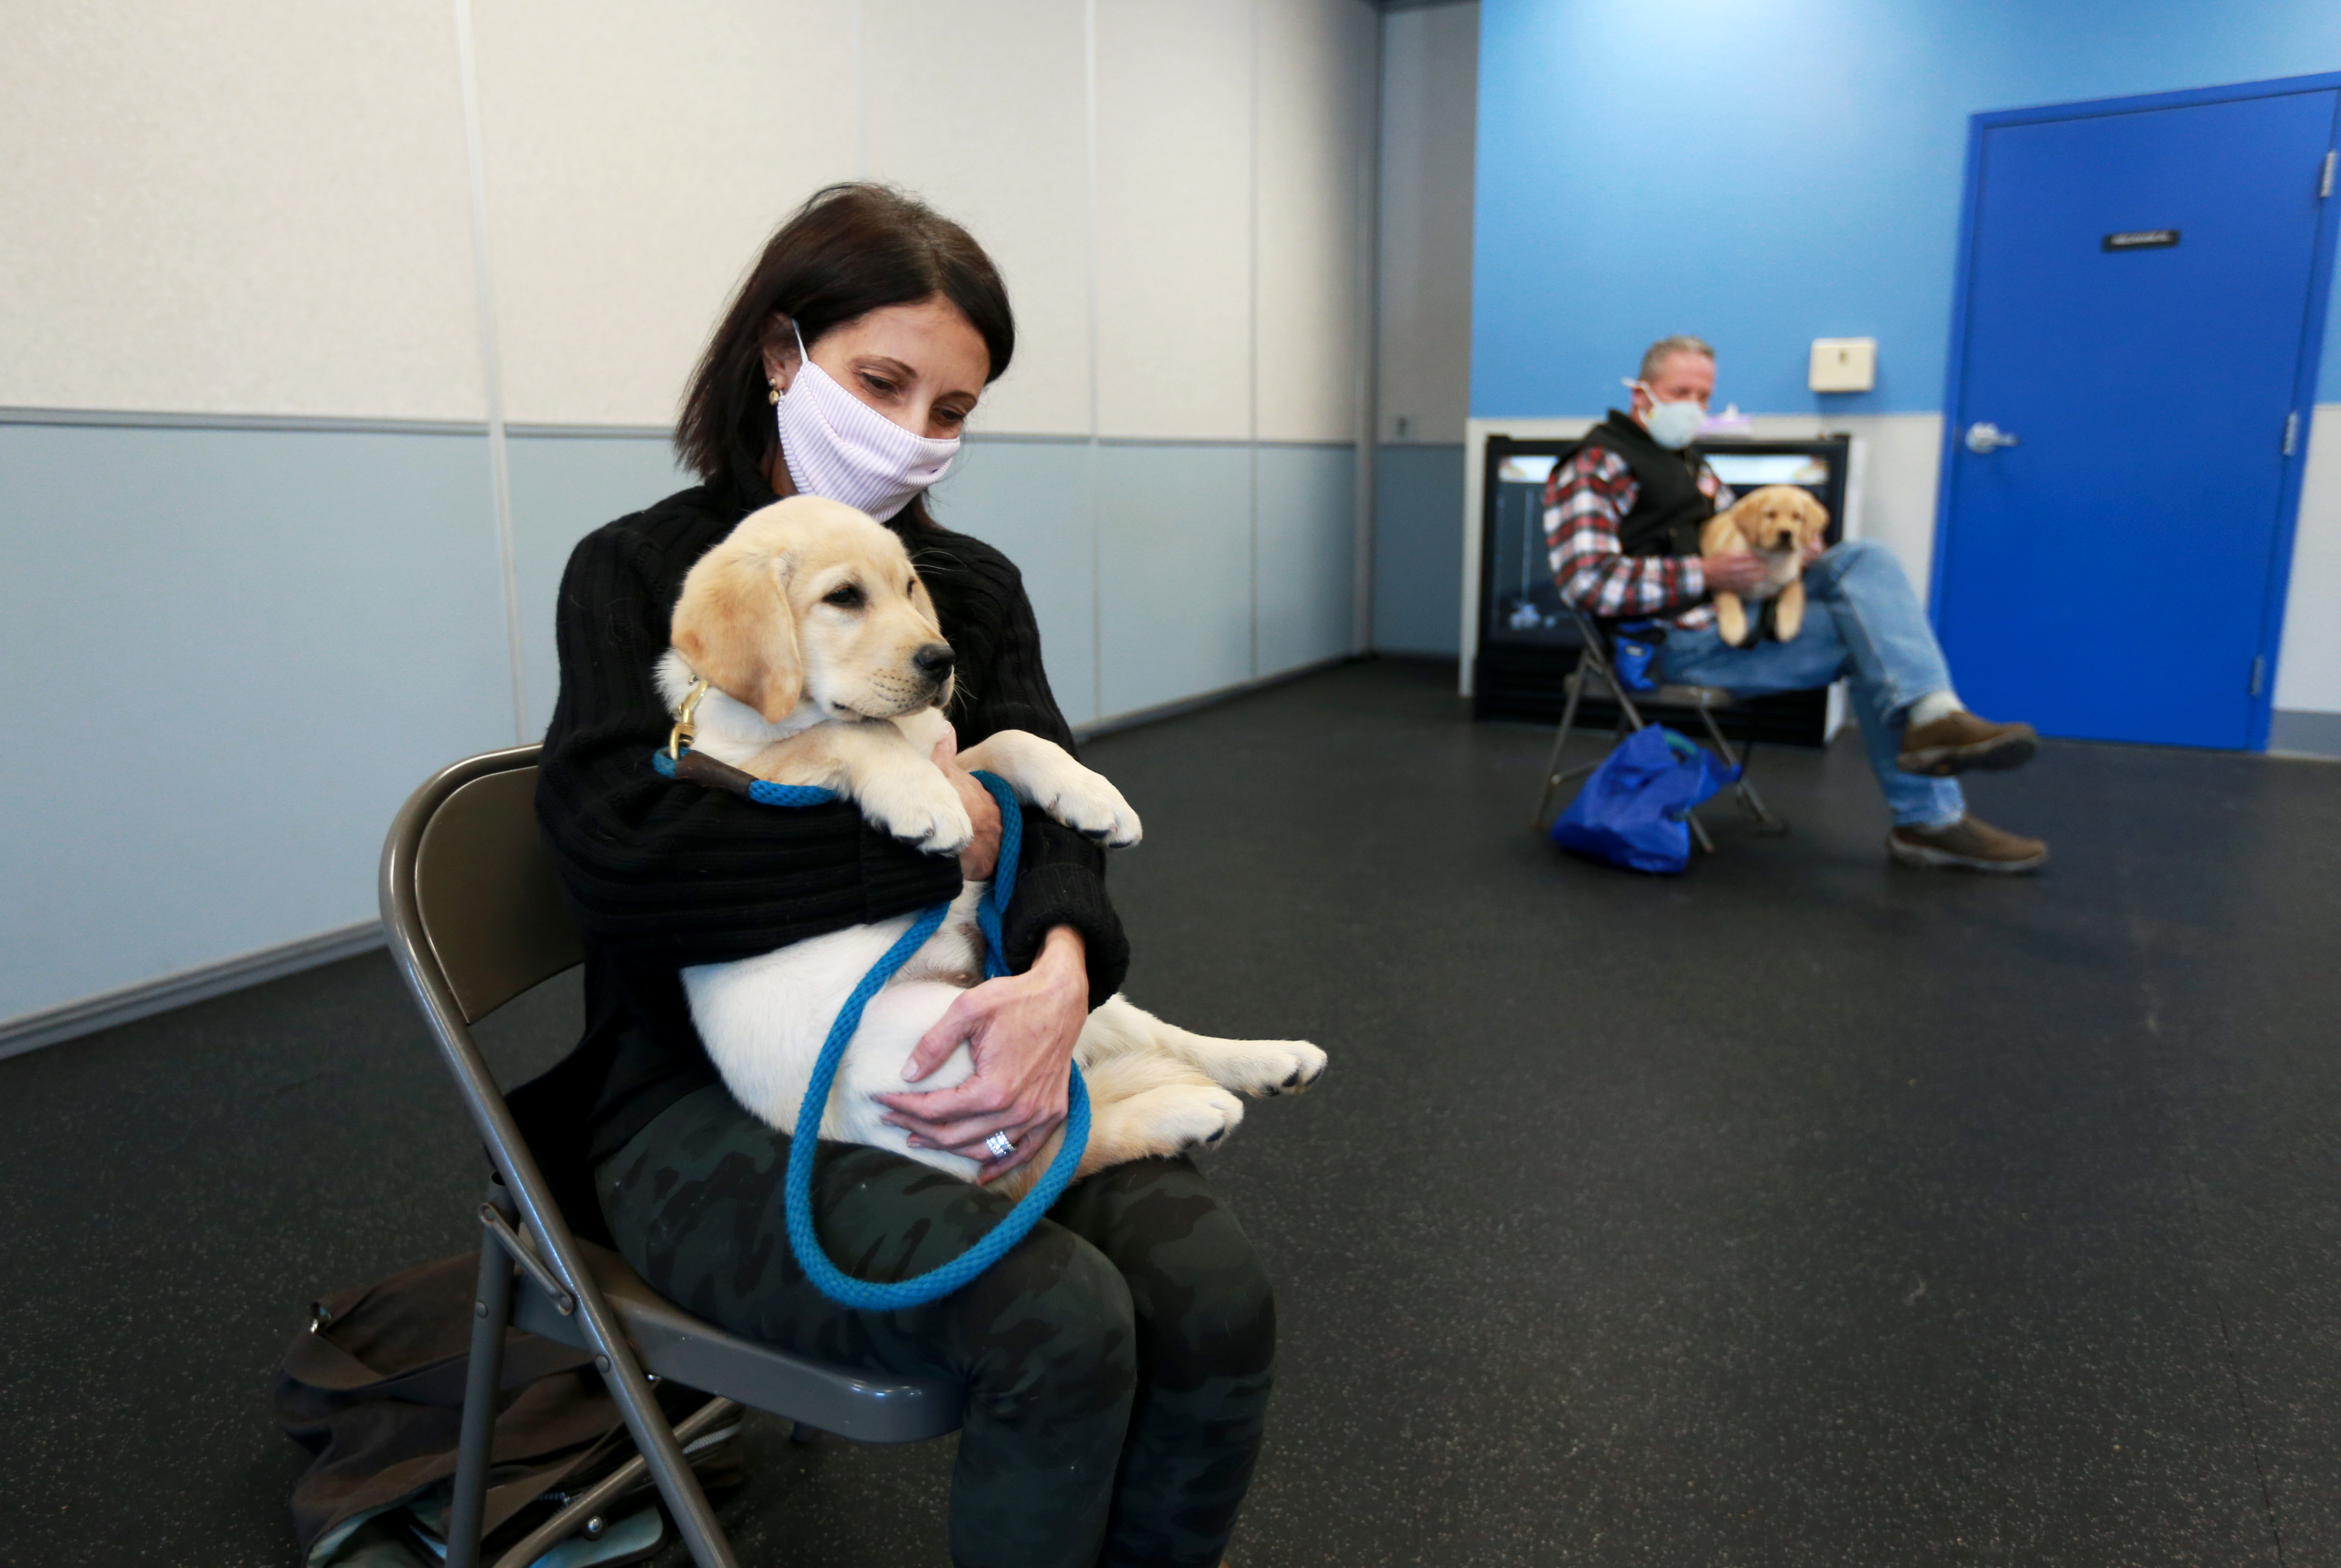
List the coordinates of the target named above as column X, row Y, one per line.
column 1527, row 643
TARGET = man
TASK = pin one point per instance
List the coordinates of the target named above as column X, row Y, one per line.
column 1622, row 523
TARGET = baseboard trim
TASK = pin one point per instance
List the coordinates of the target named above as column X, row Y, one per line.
column 1212, row 698
column 2293, row 732
column 147, row 997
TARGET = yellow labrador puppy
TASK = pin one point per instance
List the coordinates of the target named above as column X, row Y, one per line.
column 1775, row 523
column 823, row 665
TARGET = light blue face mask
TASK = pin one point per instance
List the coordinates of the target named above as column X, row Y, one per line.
column 1671, row 424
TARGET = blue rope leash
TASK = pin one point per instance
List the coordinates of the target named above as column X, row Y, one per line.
column 871, row 1296
column 764, row 791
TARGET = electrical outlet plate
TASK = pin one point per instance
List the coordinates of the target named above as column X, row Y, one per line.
column 1844, row 365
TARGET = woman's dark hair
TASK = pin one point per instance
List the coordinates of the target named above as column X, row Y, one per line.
column 850, row 250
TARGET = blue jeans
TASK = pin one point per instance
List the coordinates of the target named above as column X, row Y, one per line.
column 1862, row 620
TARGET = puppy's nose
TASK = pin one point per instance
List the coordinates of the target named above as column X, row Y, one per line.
column 934, row 661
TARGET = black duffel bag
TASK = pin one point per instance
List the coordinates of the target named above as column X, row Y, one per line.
column 374, row 1391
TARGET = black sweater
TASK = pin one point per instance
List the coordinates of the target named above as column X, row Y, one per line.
column 662, row 875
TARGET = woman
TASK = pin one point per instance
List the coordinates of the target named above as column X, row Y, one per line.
column 1118, row 1362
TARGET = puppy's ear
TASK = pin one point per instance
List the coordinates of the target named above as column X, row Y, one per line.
column 1813, row 514
column 734, row 625
column 1736, row 515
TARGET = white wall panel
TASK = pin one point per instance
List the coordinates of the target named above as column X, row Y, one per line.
column 250, row 208
column 1174, row 218
column 637, row 158
column 997, row 141
column 1174, row 574
column 1315, row 56
column 2308, row 670
column 1430, row 72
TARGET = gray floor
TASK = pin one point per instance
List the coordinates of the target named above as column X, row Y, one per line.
column 1801, row 1210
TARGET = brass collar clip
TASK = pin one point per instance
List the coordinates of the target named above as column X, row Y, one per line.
column 685, row 730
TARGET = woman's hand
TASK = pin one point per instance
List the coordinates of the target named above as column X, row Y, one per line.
column 1021, row 1031
column 1815, row 549
column 976, row 861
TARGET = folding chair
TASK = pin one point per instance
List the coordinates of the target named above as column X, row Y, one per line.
column 1597, row 667
column 475, row 917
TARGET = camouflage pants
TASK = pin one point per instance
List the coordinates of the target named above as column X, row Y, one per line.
column 1117, row 1362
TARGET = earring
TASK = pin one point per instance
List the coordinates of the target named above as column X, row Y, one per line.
column 774, row 396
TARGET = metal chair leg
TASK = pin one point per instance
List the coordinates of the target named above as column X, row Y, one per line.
column 1753, row 804
column 1552, row 773
column 1743, row 789
column 654, row 1440
column 692, row 1431
column 1715, row 733
column 482, row 1378
column 1633, row 715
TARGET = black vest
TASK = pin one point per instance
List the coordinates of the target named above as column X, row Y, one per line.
column 1670, row 508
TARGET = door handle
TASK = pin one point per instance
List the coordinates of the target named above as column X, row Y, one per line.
column 1983, row 440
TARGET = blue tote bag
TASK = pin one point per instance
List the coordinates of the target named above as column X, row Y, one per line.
column 1633, row 810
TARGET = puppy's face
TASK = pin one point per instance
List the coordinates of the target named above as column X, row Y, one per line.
column 811, row 599
column 1780, row 519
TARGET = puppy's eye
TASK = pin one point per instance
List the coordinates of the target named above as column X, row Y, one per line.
column 845, row 596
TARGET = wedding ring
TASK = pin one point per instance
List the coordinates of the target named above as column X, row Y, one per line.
column 1000, row 1146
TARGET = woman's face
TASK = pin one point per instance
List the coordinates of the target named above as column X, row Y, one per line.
column 922, row 365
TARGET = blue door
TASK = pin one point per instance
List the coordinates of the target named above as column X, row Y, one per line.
column 2131, row 380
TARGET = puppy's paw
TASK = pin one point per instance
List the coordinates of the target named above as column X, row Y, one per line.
column 918, row 806
column 1193, row 1119
column 1263, row 1068
column 1092, row 808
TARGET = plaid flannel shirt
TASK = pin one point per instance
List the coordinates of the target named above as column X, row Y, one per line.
column 1584, row 502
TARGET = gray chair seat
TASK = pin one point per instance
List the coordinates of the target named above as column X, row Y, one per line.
column 688, row 1350
column 1667, row 696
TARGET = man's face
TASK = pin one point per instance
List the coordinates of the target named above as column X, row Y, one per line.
column 1679, row 376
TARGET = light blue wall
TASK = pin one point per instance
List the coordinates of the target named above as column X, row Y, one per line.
column 1032, row 499
column 232, row 652
column 1141, row 558
column 1305, row 557
column 1765, row 174
column 1159, row 537
column 1174, row 561
column 230, row 655
column 1417, row 549
column 564, row 487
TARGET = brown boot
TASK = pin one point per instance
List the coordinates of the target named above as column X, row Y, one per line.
column 1969, row 844
column 1959, row 740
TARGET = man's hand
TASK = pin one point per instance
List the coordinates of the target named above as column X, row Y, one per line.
column 1814, row 550
column 982, row 852
column 1732, row 571
column 1021, row 1031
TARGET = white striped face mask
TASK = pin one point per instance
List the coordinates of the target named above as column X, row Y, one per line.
column 839, row 446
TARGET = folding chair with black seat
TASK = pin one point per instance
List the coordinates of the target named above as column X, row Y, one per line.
column 474, row 918
column 1597, row 671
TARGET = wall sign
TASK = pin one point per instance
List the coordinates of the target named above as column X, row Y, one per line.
column 2142, row 240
